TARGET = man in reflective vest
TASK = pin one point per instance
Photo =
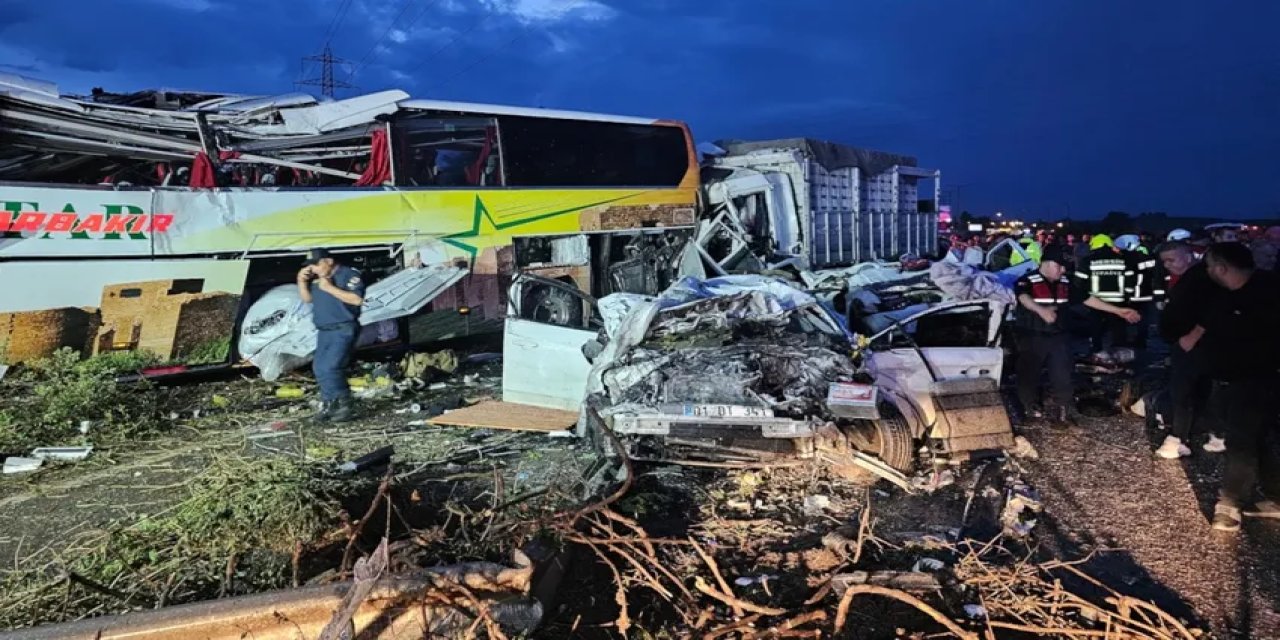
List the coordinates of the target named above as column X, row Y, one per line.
column 335, row 292
column 1102, row 275
column 1032, row 249
column 1042, row 338
column 1140, row 291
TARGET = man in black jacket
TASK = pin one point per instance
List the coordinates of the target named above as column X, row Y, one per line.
column 1191, row 291
column 1242, row 349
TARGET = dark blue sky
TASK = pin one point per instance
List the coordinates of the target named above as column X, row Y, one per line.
column 1037, row 107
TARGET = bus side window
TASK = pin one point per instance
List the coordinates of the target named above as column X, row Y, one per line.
column 446, row 152
column 551, row 152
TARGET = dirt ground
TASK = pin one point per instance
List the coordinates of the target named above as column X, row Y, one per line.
column 1142, row 523
column 1139, row 524
column 1105, row 490
column 448, row 484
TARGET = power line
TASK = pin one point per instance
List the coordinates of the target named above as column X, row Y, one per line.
column 493, row 52
column 337, row 21
column 446, row 45
column 370, row 55
column 326, row 81
column 481, row 59
column 338, row 16
column 390, row 26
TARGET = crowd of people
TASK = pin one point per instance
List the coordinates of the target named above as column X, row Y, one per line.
column 1215, row 298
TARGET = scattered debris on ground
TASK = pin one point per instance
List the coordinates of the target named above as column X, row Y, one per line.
column 225, row 491
column 800, row 582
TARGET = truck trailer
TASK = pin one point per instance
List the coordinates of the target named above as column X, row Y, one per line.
column 819, row 204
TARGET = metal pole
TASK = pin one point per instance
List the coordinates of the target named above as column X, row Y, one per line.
column 502, row 157
column 857, row 215
column 895, row 211
column 834, row 207
column 391, row 155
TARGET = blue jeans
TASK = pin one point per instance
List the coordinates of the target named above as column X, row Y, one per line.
column 333, row 352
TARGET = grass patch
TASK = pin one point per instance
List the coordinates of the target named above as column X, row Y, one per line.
column 252, row 511
column 44, row 403
column 211, row 352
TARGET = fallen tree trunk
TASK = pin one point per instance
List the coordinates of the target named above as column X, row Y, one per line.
column 395, row 609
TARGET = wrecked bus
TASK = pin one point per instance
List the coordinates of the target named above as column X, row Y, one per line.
column 154, row 220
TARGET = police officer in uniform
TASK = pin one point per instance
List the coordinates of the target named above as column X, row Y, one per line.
column 335, row 292
column 1042, row 337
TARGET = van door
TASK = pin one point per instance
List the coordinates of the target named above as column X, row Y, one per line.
column 548, row 322
column 1000, row 258
column 953, row 341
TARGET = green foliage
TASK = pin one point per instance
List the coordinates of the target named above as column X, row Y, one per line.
column 257, row 503
column 10, row 433
column 112, row 363
column 255, row 510
column 48, row 399
column 210, row 352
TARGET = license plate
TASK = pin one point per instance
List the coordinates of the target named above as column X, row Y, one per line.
column 851, row 392
column 726, row 411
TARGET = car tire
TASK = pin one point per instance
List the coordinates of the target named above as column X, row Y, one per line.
column 897, row 446
column 552, row 305
column 888, row 438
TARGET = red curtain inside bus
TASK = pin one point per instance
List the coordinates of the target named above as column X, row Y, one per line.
column 379, row 169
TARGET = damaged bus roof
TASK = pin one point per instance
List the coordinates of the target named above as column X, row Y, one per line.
column 49, row 133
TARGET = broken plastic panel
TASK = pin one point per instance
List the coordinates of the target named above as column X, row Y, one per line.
column 62, row 454
column 278, row 334
column 19, row 464
column 406, row 292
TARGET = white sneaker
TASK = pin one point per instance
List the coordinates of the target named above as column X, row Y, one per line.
column 1226, row 517
column 1215, row 444
column 1172, row 449
column 1265, row 509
